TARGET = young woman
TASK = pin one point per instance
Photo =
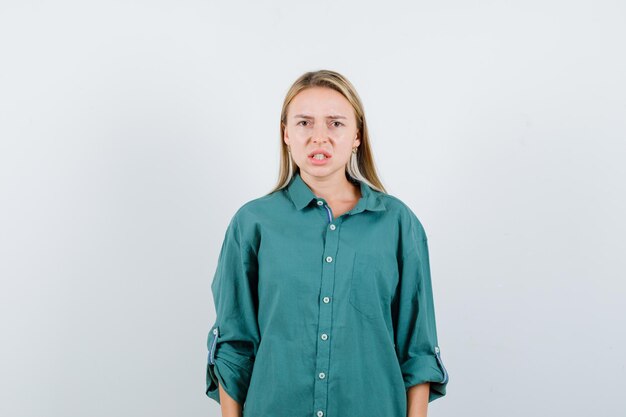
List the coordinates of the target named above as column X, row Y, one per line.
column 322, row 292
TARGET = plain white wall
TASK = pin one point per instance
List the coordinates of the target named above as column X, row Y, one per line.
column 131, row 132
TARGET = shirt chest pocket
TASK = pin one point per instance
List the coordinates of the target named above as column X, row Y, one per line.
column 373, row 283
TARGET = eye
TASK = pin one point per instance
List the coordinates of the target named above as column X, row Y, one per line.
column 301, row 121
column 340, row 124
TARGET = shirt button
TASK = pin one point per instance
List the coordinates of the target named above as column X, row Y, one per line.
column 320, row 202
column 322, row 375
column 327, row 300
column 320, row 413
column 329, row 259
column 324, row 336
column 214, row 331
column 332, row 227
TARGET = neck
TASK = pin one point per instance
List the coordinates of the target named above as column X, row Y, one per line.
column 334, row 187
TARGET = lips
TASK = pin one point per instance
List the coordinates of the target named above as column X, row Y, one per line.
column 322, row 151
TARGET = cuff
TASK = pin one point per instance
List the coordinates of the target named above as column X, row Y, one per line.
column 232, row 370
column 426, row 368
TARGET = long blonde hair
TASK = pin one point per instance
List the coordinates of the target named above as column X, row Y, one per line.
column 361, row 166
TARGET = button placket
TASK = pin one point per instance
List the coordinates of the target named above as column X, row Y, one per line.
column 331, row 241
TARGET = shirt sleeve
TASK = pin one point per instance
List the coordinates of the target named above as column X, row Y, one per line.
column 234, row 338
column 414, row 316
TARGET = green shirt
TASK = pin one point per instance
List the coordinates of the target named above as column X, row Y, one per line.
column 319, row 315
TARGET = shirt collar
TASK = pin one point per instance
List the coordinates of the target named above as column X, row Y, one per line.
column 302, row 195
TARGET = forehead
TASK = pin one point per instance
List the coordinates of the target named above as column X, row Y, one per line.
column 320, row 101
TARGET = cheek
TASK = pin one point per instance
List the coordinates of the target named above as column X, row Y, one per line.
column 298, row 135
column 298, row 150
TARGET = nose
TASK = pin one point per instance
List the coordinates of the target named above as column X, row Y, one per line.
column 320, row 132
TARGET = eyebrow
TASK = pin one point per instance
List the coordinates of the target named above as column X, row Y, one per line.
column 330, row 116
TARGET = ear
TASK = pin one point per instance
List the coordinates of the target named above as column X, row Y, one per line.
column 285, row 135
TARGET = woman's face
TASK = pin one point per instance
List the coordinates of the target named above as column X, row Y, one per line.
column 320, row 119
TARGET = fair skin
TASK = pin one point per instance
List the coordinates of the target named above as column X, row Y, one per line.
column 230, row 407
column 417, row 400
column 322, row 118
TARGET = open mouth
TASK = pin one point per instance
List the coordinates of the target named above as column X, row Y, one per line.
column 320, row 155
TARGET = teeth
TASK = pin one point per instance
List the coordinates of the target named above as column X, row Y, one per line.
column 319, row 156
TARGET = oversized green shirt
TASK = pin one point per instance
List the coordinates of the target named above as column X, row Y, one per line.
column 318, row 315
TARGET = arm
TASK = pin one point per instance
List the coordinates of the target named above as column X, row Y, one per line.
column 417, row 400
column 230, row 407
column 415, row 331
column 234, row 338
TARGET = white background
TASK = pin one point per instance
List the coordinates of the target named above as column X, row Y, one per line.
column 131, row 131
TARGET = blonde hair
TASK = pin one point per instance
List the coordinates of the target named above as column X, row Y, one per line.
column 361, row 167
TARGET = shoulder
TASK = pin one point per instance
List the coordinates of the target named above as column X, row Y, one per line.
column 408, row 221
column 248, row 219
column 256, row 209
